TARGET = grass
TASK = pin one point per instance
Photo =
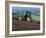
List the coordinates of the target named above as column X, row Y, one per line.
column 14, row 14
column 34, row 17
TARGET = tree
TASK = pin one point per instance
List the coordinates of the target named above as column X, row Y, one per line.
column 28, row 14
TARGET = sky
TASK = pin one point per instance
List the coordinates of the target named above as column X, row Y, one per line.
column 24, row 9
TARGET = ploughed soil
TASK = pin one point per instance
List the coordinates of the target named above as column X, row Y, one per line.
column 18, row 25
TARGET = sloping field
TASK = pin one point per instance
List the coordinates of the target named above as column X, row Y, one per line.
column 35, row 17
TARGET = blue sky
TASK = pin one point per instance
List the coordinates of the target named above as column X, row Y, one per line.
column 24, row 9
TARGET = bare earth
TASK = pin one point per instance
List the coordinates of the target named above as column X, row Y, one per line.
column 24, row 25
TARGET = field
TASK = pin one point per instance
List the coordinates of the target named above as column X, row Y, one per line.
column 22, row 25
column 35, row 17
